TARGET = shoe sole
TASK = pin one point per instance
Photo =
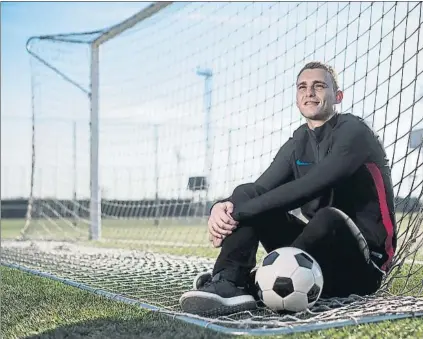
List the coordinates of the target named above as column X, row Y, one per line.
column 207, row 304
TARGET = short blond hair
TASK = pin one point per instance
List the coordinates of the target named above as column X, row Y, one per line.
column 326, row 67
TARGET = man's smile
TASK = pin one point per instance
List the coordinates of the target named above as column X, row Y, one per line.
column 313, row 103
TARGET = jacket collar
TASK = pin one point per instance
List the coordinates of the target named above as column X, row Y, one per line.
column 319, row 132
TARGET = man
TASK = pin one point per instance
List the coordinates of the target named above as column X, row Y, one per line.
column 335, row 169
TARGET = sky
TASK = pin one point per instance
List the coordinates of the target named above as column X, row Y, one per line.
column 152, row 101
column 20, row 21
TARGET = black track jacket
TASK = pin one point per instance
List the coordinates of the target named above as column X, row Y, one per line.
column 340, row 164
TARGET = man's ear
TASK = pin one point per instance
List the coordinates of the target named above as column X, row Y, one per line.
column 339, row 96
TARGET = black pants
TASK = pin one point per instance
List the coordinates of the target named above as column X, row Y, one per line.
column 330, row 237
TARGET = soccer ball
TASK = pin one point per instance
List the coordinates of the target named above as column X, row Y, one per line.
column 289, row 279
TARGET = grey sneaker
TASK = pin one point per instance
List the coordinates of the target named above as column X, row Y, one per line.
column 202, row 278
column 217, row 296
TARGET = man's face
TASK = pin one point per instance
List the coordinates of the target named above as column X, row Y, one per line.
column 315, row 94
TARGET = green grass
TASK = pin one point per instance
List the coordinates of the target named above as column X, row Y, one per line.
column 178, row 237
column 10, row 228
column 32, row 306
column 35, row 307
column 186, row 231
column 183, row 231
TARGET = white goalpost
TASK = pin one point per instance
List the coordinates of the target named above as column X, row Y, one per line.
column 138, row 128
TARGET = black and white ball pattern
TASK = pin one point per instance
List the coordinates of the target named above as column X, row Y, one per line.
column 289, row 279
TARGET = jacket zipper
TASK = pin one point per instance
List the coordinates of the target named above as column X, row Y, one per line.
column 318, row 153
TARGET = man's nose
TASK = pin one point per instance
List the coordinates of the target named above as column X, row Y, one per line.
column 310, row 91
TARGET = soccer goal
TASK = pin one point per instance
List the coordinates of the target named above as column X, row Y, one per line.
column 138, row 128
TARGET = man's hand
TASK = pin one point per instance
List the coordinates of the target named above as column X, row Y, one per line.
column 217, row 242
column 220, row 223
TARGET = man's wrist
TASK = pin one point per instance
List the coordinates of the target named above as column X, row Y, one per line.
column 220, row 201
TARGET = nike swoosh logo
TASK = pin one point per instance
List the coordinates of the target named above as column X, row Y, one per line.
column 300, row 163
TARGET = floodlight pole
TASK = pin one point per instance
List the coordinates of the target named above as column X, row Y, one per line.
column 178, row 168
column 207, row 74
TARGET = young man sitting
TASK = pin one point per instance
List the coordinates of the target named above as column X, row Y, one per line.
column 335, row 168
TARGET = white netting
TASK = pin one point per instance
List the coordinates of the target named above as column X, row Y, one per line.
column 207, row 90
column 142, row 276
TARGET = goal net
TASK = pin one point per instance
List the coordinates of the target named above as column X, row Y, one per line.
column 139, row 128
